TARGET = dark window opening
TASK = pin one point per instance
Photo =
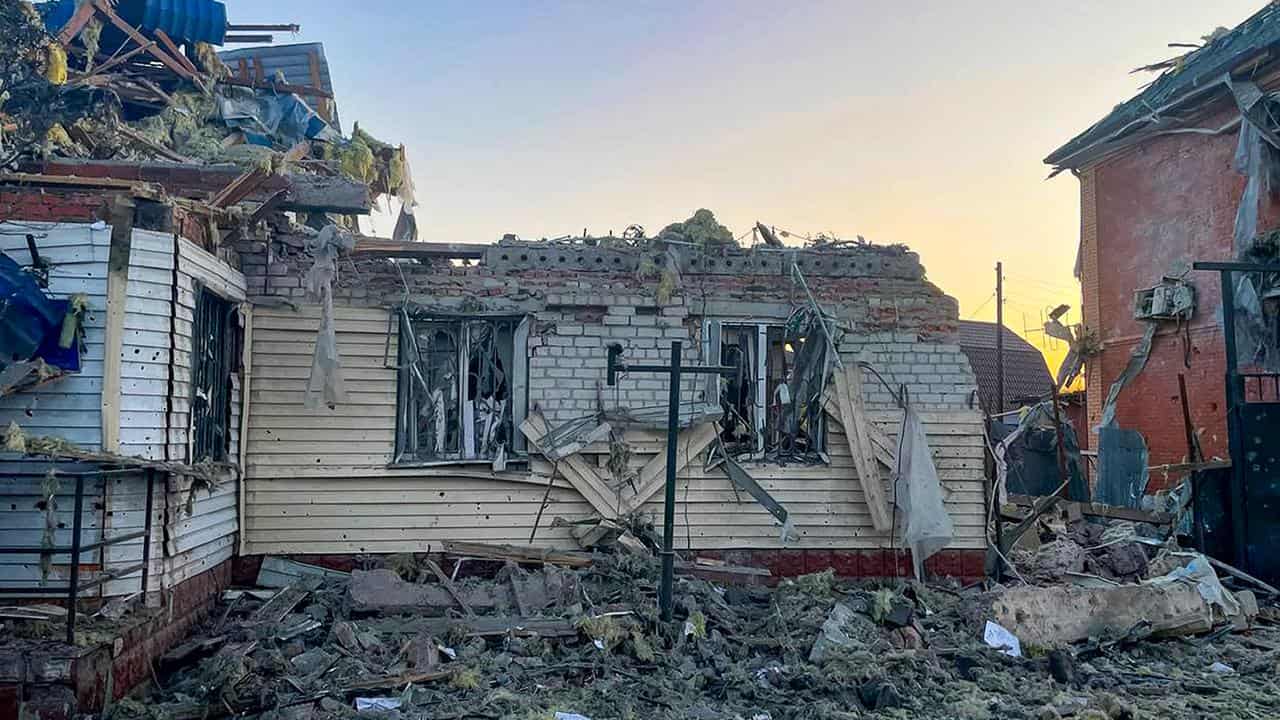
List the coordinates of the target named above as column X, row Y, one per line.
column 772, row 403
column 458, row 389
column 215, row 347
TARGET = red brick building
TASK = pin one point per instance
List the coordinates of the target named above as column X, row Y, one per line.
column 1158, row 190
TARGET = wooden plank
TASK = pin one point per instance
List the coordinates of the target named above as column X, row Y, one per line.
column 177, row 53
column 852, row 416
column 690, row 443
column 118, row 258
column 246, row 383
column 105, row 8
column 78, row 21
column 517, row 553
column 576, row 470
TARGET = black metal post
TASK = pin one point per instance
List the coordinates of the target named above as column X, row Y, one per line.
column 1000, row 339
column 665, row 603
column 1235, row 441
column 674, row 370
column 146, row 539
column 74, row 589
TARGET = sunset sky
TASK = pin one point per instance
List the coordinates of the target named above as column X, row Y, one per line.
column 921, row 123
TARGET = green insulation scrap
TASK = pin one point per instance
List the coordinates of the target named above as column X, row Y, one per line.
column 702, row 230
column 187, row 127
column 207, row 58
column 49, row 488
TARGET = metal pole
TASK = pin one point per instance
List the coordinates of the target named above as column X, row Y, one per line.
column 999, row 337
column 1234, row 440
column 146, row 539
column 665, row 605
column 1063, row 475
column 76, row 526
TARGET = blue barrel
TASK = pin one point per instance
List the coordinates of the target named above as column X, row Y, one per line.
column 182, row 20
column 193, row 20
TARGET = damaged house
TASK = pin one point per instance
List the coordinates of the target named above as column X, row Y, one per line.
column 207, row 364
column 475, row 405
column 1179, row 174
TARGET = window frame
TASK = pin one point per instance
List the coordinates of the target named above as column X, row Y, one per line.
column 713, row 334
column 204, row 441
column 406, row 455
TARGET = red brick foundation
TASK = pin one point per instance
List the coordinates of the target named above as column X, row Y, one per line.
column 963, row 565
column 59, row 681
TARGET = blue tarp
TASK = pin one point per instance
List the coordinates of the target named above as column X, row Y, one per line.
column 27, row 316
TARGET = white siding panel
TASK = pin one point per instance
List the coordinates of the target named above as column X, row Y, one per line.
column 318, row 482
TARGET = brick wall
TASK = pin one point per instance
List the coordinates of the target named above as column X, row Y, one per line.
column 1152, row 211
column 895, row 318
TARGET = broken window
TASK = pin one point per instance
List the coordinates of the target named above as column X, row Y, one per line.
column 772, row 402
column 215, row 347
column 461, row 388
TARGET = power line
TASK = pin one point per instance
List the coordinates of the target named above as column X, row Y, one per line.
column 974, row 314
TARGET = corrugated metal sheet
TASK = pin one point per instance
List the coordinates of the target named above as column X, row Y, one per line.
column 318, row 482
column 301, row 64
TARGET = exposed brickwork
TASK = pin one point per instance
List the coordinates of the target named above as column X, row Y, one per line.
column 1156, row 209
column 114, row 668
column 899, row 322
column 45, row 205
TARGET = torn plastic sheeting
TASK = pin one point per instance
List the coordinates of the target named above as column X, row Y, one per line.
column 996, row 636
column 1200, row 573
column 270, row 119
column 1137, row 361
column 325, row 382
column 918, row 493
column 377, row 704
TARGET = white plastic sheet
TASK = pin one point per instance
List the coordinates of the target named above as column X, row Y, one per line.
column 325, row 385
column 998, row 637
column 918, row 493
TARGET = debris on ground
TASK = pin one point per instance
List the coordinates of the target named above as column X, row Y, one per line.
column 518, row 636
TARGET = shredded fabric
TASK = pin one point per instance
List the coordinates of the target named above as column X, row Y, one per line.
column 325, row 385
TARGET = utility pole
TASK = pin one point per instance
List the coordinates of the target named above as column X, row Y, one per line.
column 999, row 338
column 673, row 371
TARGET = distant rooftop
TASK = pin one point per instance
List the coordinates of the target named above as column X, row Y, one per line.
column 1026, row 375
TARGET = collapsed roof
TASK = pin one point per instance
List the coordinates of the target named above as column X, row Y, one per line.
column 136, row 83
column 1189, row 85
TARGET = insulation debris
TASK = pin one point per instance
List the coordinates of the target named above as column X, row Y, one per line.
column 587, row 642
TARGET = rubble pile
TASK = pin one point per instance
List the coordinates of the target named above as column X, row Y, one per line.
column 92, row 86
column 583, row 639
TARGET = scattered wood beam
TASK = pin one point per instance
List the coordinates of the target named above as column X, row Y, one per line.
column 105, row 8
column 448, row 585
column 76, row 24
column 575, row 469
column 177, row 53
column 517, row 553
column 690, row 442
column 150, row 144
column 278, row 87
column 853, row 417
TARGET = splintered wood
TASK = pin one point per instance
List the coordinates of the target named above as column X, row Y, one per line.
column 857, row 432
column 575, row 469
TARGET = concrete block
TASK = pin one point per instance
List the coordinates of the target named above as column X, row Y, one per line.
column 616, row 318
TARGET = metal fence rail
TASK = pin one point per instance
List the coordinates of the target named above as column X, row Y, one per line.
column 76, row 548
